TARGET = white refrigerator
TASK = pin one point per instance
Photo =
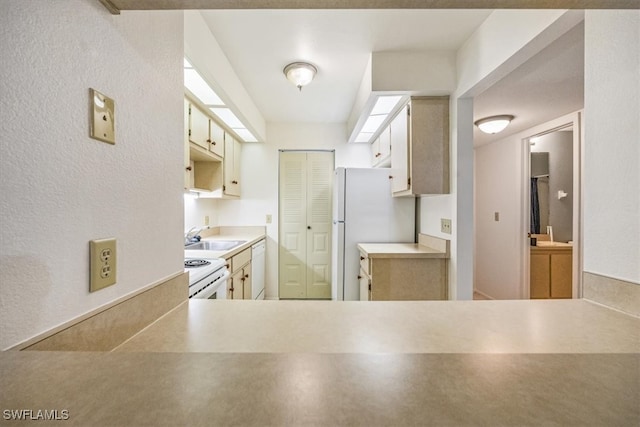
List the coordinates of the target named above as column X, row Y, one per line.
column 364, row 212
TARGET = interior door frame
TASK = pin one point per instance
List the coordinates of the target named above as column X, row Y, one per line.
column 576, row 120
column 280, row 151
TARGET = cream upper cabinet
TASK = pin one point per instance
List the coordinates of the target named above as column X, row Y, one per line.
column 198, row 127
column 232, row 152
column 381, row 148
column 375, row 152
column 400, row 164
column 188, row 166
column 216, row 138
column 420, row 147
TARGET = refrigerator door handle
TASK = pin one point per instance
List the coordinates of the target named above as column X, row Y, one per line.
column 338, row 222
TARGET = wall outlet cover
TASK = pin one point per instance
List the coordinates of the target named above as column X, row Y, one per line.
column 445, row 225
column 102, row 263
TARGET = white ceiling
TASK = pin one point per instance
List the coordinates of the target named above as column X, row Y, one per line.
column 259, row 43
column 549, row 85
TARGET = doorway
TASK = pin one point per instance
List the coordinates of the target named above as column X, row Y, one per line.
column 305, row 210
column 552, row 185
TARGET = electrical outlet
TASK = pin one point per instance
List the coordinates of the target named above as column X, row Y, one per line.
column 269, row 218
column 103, row 263
column 445, row 225
column 206, row 220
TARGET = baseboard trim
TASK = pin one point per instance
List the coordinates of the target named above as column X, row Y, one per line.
column 618, row 294
column 110, row 325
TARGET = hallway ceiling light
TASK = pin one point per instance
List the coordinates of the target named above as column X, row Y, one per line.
column 300, row 73
column 494, row 124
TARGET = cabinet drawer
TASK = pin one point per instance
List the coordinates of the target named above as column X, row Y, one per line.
column 238, row 261
column 365, row 263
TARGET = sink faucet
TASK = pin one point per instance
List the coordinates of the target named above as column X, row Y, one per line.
column 192, row 235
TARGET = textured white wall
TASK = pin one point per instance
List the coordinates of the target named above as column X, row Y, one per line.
column 60, row 188
column 498, row 188
column 486, row 56
column 612, row 144
column 259, row 175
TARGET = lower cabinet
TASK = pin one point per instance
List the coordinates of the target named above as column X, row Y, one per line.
column 551, row 272
column 402, row 279
column 239, row 283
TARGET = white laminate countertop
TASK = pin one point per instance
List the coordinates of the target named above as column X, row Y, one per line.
column 400, row 250
column 251, row 235
column 517, row 326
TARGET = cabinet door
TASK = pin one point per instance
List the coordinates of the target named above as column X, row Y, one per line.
column 365, row 286
column 235, row 285
column 231, row 166
column 217, row 139
column 561, row 275
column 188, row 167
column 385, row 143
column 400, row 151
column 247, row 282
column 539, row 276
column 375, row 152
column 199, row 127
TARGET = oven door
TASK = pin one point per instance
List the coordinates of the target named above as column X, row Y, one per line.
column 216, row 288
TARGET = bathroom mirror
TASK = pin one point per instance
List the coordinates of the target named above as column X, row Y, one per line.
column 551, row 172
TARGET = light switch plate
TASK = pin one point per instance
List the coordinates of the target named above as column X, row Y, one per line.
column 445, row 225
column 102, row 263
column 102, row 111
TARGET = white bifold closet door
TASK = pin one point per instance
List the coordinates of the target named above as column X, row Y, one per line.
column 305, row 204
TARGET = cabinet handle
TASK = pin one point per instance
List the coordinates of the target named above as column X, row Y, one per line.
column 246, row 276
column 379, row 154
column 390, row 176
column 361, row 258
column 228, row 266
column 213, row 143
column 308, row 227
column 359, row 277
column 208, row 140
column 189, row 168
column 234, row 182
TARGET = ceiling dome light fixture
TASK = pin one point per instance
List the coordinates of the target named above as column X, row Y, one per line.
column 494, row 124
column 300, row 73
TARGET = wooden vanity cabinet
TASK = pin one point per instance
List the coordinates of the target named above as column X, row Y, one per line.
column 551, row 272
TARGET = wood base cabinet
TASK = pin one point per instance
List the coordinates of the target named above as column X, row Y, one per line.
column 551, row 272
column 402, row 279
column 239, row 283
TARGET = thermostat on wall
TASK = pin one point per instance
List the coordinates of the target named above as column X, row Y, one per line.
column 102, row 110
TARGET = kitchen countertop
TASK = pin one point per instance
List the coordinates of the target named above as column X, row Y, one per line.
column 307, row 389
column 560, row 362
column 518, row 326
column 546, row 244
column 400, row 250
column 427, row 247
column 250, row 235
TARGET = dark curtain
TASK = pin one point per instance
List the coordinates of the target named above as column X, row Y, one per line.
column 535, row 207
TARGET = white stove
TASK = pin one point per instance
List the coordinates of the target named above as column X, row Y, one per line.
column 207, row 278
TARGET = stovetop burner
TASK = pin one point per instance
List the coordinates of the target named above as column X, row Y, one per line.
column 190, row 263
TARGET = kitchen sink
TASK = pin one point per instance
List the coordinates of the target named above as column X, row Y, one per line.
column 215, row 245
